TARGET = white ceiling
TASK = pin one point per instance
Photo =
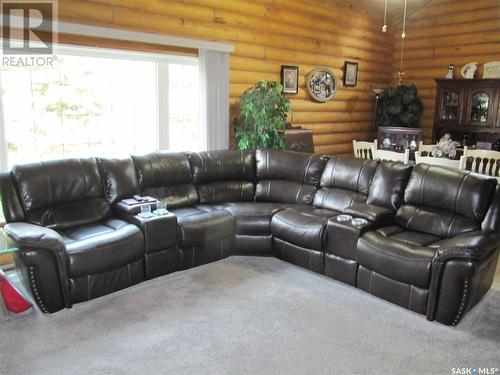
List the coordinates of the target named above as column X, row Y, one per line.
column 375, row 8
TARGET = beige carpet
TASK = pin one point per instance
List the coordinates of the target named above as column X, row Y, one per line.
column 247, row 315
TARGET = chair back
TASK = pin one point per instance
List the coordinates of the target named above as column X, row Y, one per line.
column 443, row 162
column 363, row 150
column 485, row 162
column 391, row 155
column 425, row 150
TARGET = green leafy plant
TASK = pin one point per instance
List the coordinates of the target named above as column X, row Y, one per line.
column 263, row 117
column 399, row 106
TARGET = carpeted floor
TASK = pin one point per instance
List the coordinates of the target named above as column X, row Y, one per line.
column 246, row 315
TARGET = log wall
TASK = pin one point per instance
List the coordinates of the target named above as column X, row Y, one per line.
column 447, row 32
column 266, row 35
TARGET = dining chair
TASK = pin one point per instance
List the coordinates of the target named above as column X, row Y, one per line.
column 391, row 155
column 362, row 149
column 425, row 150
column 443, row 162
column 485, row 162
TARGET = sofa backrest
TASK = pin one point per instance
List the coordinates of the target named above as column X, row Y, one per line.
column 166, row 176
column 445, row 202
column 11, row 204
column 491, row 222
column 388, row 184
column 286, row 176
column 118, row 178
column 60, row 194
column 223, row 176
column 345, row 181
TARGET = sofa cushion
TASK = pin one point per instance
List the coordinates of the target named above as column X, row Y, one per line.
column 166, row 176
column 304, row 228
column 388, row 185
column 254, row 219
column 284, row 191
column 286, row 176
column 61, row 194
column 399, row 254
column 199, row 226
column 345, row 182
column 226, row 191
column 102, row 246
column 118, row 178
column 444, row 202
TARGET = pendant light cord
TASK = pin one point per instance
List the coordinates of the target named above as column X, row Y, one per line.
column 384, row 28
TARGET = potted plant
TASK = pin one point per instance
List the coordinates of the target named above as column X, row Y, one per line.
column 398, row 113
column 263, row 117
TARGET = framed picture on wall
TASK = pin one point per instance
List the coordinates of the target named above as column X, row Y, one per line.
column 350, row 74
column 290, row 79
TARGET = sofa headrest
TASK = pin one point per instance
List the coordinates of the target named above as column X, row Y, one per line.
column 50, row 183
column 288, row 165
column 349, row 173
column 61, row 194
column 233, row 165
column 118, row 178
column 388, row 185
column 162, row 169
column 453, row 190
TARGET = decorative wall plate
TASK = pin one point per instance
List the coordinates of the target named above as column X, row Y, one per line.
column 469, row 70
column 491, row 69
column 321, row 84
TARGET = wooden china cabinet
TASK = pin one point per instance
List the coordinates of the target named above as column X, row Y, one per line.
column 468, row 109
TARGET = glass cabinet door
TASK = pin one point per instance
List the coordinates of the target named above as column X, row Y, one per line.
column 480, row 107
column 480, row 103
column 450, row 106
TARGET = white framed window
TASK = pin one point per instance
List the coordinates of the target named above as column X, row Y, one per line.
column 94, row 102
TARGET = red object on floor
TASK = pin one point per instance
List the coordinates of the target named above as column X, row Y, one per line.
column 12, row 299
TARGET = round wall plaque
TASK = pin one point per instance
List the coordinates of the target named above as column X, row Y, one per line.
column 321, row 84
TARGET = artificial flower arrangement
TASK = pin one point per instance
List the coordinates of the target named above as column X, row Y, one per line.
column 445, row 148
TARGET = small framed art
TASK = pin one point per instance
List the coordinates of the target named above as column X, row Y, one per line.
column 290, row 79
column 350, row 74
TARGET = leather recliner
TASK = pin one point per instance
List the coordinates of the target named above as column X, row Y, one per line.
column 71, row 248
column 440, row 218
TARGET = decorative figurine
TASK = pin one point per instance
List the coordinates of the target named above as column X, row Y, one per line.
column 451, row 72
column 469, row 70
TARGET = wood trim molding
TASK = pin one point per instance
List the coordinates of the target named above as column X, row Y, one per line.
column 134, row 36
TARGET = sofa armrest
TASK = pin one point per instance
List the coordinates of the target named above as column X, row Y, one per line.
column 43, row 253
column 123, row 208
column 462, row 272
column 470, row 246
column 376, row 214
column 160, row 232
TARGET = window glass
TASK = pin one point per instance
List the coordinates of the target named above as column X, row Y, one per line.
column 185, row 133
column 80, row 106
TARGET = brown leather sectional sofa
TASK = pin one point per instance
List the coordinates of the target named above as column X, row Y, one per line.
column 430, row 243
